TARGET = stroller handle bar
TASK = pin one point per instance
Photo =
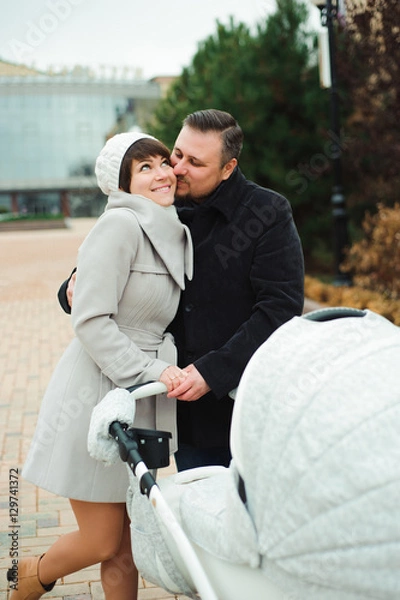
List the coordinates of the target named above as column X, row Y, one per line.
column 150, row 388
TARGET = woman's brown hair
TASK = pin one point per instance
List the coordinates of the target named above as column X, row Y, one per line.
column 139, row 150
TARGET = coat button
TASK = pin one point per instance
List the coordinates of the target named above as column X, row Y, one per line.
column 189, row 308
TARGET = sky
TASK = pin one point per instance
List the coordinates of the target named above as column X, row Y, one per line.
column 148, row 38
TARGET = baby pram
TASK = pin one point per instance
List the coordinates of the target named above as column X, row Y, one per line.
column 309, row 507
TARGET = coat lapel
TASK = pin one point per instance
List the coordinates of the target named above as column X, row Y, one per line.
column 164, row 230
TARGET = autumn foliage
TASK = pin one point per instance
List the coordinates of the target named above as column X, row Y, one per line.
column 375, row 260
column 375, row 266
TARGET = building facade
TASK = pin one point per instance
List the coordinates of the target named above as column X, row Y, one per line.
column 52, row 127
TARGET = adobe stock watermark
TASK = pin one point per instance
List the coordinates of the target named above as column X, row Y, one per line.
column 241, row 237
column 323, row 365
column 71, row 411
column 318, row 163
column 55, row 13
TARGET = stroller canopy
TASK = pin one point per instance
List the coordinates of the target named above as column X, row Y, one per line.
column 315, row 436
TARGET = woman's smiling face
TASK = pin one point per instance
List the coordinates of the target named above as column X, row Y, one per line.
column 154, row 178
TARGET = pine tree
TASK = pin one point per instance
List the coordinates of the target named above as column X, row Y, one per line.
column 268, row 79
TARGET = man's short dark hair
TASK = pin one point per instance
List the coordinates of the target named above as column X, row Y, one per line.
column 220, row 122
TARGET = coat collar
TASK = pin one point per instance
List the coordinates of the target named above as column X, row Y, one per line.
column 163, row 229
column 223, row 199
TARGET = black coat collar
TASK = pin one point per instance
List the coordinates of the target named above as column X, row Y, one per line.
column 223, row 199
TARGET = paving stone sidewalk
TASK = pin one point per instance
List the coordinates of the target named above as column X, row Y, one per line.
column 34, row 333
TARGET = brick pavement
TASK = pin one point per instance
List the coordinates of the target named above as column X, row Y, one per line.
column 34, row 333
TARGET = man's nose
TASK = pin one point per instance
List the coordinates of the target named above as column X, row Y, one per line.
column 179, row 167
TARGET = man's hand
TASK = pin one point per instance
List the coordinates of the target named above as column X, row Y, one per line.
column 70, row 288
column 192, row 388
column 172, row 377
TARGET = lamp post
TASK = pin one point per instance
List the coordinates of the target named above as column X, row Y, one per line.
column 329, row 11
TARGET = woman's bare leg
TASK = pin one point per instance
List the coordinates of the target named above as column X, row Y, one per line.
column 103, row 537
column 119, row 575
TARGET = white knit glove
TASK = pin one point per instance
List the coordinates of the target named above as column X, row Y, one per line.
column 117, row 405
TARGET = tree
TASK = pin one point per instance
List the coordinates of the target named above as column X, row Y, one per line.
column 213, row 80
column 269, row 81
column 369, row 66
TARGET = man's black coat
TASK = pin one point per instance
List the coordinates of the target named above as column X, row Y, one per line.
column 248, row 280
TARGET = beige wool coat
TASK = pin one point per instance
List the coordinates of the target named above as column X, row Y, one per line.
column 130, row 272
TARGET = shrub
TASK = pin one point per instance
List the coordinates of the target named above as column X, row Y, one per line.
column 375, row 260
column 353, row 296
column 374, row 263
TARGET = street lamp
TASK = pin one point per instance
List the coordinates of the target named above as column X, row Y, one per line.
column 329, row 11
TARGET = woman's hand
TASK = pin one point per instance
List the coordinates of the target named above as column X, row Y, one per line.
column 172, row 377
column 70, row 289
column 193, row 387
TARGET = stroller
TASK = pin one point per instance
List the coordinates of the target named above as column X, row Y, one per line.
column 309, row 506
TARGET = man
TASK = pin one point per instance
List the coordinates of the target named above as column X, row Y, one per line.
column 248, row 279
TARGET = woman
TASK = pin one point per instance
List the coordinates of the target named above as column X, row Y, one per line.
column 131, row 269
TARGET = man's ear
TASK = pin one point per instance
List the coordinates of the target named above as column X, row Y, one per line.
column 228, row 169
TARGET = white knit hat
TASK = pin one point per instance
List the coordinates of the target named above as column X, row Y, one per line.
column 108, row 163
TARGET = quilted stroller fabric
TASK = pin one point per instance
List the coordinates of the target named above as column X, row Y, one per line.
column 315, row 437
column 323, row 483
column 151, row 546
